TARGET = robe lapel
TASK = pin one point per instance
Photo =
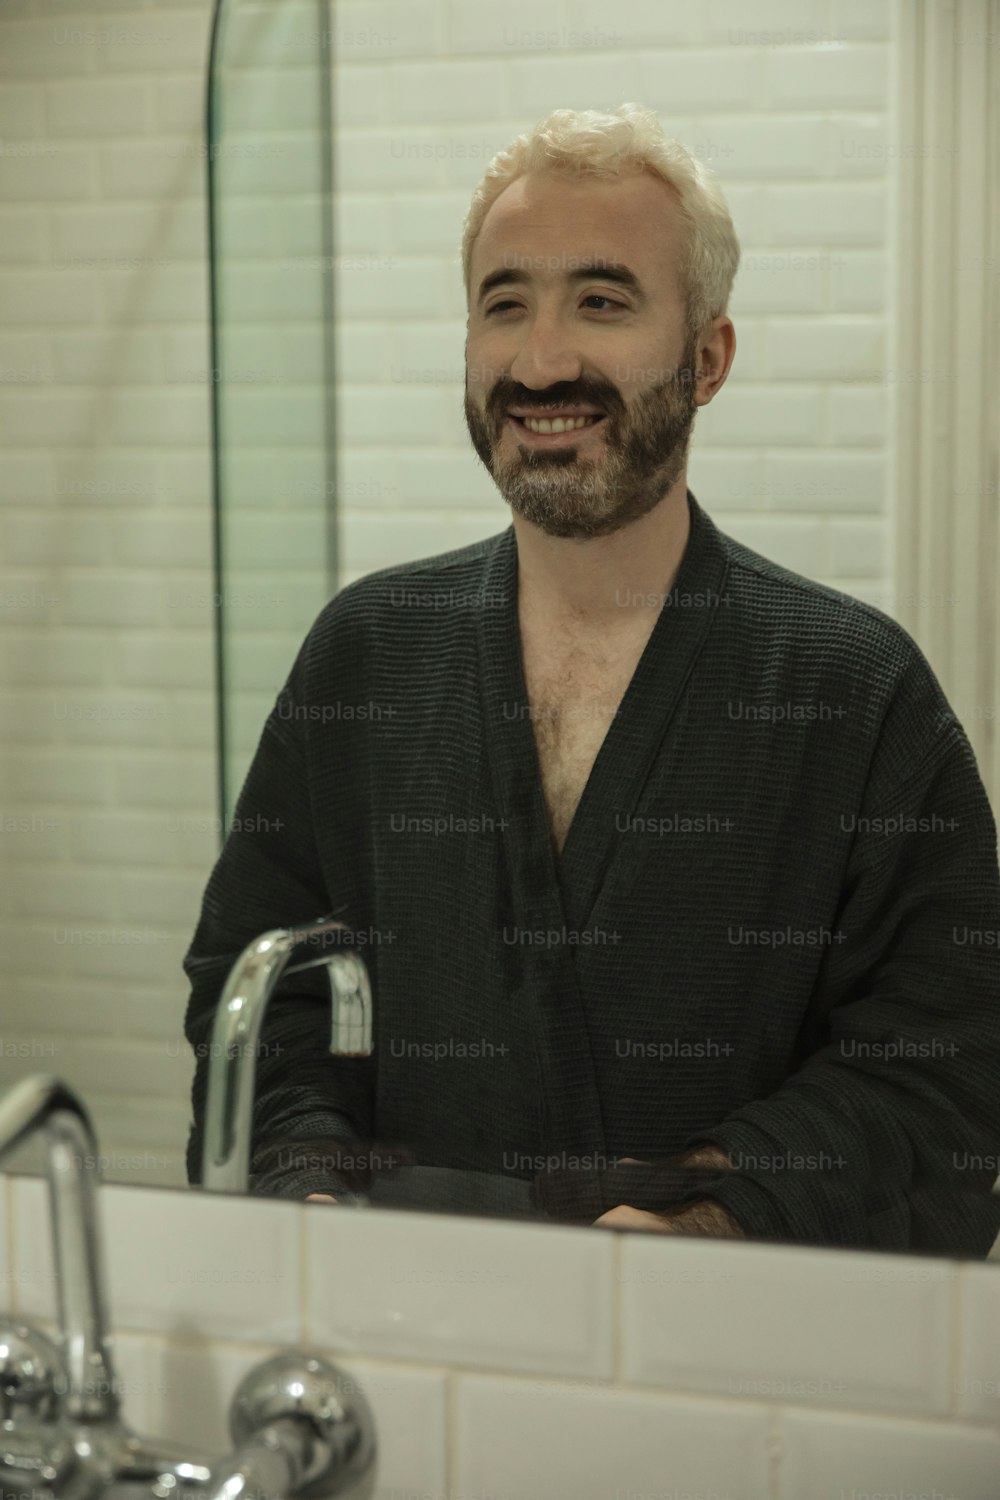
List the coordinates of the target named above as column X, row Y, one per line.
column 549, row 899
column 633, row 743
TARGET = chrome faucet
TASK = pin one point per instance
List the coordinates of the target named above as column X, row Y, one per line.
column 61, row 1435
column 232, row 1064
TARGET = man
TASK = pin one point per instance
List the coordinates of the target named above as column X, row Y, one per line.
column 662, row 849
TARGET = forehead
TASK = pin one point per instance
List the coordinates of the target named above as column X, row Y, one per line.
column 632, row 218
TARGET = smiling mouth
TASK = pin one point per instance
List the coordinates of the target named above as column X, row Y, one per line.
column 550, row 429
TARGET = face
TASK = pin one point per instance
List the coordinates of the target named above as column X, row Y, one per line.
column 547, row 337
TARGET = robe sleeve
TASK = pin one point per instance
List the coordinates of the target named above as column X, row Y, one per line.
column 888, row 1134
column 269, row 875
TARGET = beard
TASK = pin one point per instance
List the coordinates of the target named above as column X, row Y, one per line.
column 636, row 461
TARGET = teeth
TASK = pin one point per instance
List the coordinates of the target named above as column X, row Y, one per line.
column 558, row 424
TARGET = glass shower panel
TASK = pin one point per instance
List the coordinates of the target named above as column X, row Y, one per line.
column 269, row 149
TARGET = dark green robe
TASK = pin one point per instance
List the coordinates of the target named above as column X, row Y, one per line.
column 773, row 925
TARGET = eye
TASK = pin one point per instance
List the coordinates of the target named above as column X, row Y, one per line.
column 593, row 297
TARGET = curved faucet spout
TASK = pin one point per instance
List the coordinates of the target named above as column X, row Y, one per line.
column 232, row 1065
column 44, row 1103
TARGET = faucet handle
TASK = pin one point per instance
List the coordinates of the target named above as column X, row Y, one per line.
column 307, row 1415
column 37, row 1455
column 32, row 1374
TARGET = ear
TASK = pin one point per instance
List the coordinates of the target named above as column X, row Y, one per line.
column 715, row 354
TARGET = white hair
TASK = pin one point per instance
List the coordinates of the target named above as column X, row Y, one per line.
column 631, row 139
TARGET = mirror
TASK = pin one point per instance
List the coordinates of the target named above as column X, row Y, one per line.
column 335, row 377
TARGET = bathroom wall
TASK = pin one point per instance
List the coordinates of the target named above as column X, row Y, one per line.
column 529, row 1362
column 107, row 784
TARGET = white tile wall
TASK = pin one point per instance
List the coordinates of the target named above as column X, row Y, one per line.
column 535, row 1362
column 106, row 744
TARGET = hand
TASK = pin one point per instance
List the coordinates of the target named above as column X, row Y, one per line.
column 703, row 1217
column 321, row 1198
column 706, row 1217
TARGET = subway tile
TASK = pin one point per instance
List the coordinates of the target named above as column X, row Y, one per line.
column 160, row 660
column 726, row 479
column 26, row 602
column 113, row 358
column 178, row 102
column 8, row 1291
column 792, row 542
column 138, row 839
column 977, row 1380
column 858, row 549
column 587, row 79
column 773, row 23
column 826, row 349
column 644, row 24
column 106, row 596
column 435, row 93
column 828, row 1328
column 828, row 213
column 412, row 415
column 771, row 415
column 161, row 40
column 50, row 415
column 95, row 107
column 390, row 287
column 671, row 79
column 366, row 544
column 210, row 1265
column 779, row 280
column 42, row 49
column 372, row 159
column 459, row 1291
column 841, row 78
column 760, row 145
column 175, row 782
column 160, row 169
column 194, row 1383
column 429, row 223
column 363, row 353
column 56, row 776
column 42, row 171
column 370, row 480
column 22, row 114
column 109, row 477
column 22, row 236
column 858, row 281
column 817, row 481
column 147, row 236
column 831, row 1457
column 496, row 30
column 52, row 539
column 858, row 416
column 864, row 146
column 444, row 477
column 369, row 30
column 26, row 478
column 863, row 20
column 359, row 94
column 48, row 297
column 97, row 1008
column 534, row 1440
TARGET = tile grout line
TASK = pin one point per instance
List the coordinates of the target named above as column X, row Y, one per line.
column 304, row 1287
column 450, row 1430
column 956, row 1309
column 10, row 1238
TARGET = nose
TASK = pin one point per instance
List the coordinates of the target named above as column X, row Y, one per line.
column 547, row 355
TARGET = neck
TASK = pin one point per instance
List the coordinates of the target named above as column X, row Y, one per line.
column 615, row 581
